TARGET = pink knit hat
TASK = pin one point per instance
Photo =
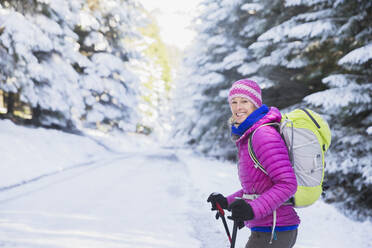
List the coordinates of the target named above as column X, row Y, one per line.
column 248, row 89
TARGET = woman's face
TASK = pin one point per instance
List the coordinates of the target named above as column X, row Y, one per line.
column 241, row 107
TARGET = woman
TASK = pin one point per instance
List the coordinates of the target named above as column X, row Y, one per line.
column 263, row 200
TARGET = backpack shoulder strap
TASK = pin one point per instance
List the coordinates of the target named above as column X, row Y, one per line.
column 251, row 152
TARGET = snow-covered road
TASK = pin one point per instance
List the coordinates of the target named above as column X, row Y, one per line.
column 138, row 195
column 127, row 201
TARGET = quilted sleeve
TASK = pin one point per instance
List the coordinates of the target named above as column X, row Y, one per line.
column 231, row 197
column 272, row 153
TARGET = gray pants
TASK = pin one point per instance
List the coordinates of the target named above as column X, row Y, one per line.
column 285, row 239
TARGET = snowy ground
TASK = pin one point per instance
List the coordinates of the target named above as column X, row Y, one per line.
column 63, row 190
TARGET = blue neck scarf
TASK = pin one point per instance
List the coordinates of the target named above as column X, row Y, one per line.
column 251, row 119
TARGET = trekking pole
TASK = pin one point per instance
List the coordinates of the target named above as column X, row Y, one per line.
column 221, row 213
column 235, row 231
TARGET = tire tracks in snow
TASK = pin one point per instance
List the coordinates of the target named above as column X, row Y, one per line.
column 52, row 173
column 93, row 164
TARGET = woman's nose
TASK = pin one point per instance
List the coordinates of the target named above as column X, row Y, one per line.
column 238, row 105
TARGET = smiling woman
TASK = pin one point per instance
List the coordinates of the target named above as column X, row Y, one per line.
column 174, row 19
column 244, row 98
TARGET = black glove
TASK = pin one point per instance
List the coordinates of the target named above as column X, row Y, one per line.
column 217, row 198
column 241, row 210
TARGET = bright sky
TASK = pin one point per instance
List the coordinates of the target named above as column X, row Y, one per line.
column 173, row 17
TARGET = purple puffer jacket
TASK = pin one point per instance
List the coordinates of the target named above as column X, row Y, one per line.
column 275, row 188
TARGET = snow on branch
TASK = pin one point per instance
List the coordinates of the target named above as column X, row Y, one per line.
column 313, row 16
column 340, row 80
column 264, row 83
column 235, row 59
column 298, row 62
column 291, row 29
column 219, row 14
column 216, row 40
column 248, row 68
column 311, row 29
column 278, row 32
column 252, row 7
column 333, row 100
column 286, row 55
column 66, row 11
column 27, row 36
column 358, row 56
column 290, row 3
column 212, row 78
column 229, row 3
column 369, row 130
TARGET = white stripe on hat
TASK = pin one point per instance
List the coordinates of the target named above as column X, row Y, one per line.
column 250, row 89
column 255, row 103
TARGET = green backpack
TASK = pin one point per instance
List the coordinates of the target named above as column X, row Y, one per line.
column 307, row 137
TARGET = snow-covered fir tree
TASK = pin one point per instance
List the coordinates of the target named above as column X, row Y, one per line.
column 303, row 53
column 70, row 63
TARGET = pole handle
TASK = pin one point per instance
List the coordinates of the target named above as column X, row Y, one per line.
column 222, row 215
column 220, row 209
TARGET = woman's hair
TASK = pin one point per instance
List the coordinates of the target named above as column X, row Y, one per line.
column 231, row 120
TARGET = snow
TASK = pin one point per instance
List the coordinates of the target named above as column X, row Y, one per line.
column 252, row 7
column 234, row 59
column 339, row 80
column 248, row 68
column 253, row 30
column 369, row 130
column 294, row 30
column 88, row 22
column 358, row 56
column 60, row 80
column 106, row 63
column 212, row 78
column 312, row 16
column 32, row 40
column 65, row 10
column 264, row 82
column 281, row 55
column 216, row 40
column 97, row 40
column 290, row 3
column 126, row 190
column 311, row 29
column 36, row 158
column 298, row 63
column 218, row 14
column 351, row 95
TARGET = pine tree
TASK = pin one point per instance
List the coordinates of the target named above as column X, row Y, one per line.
column 348, row 104
column 109, row 80
column 221, row 56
